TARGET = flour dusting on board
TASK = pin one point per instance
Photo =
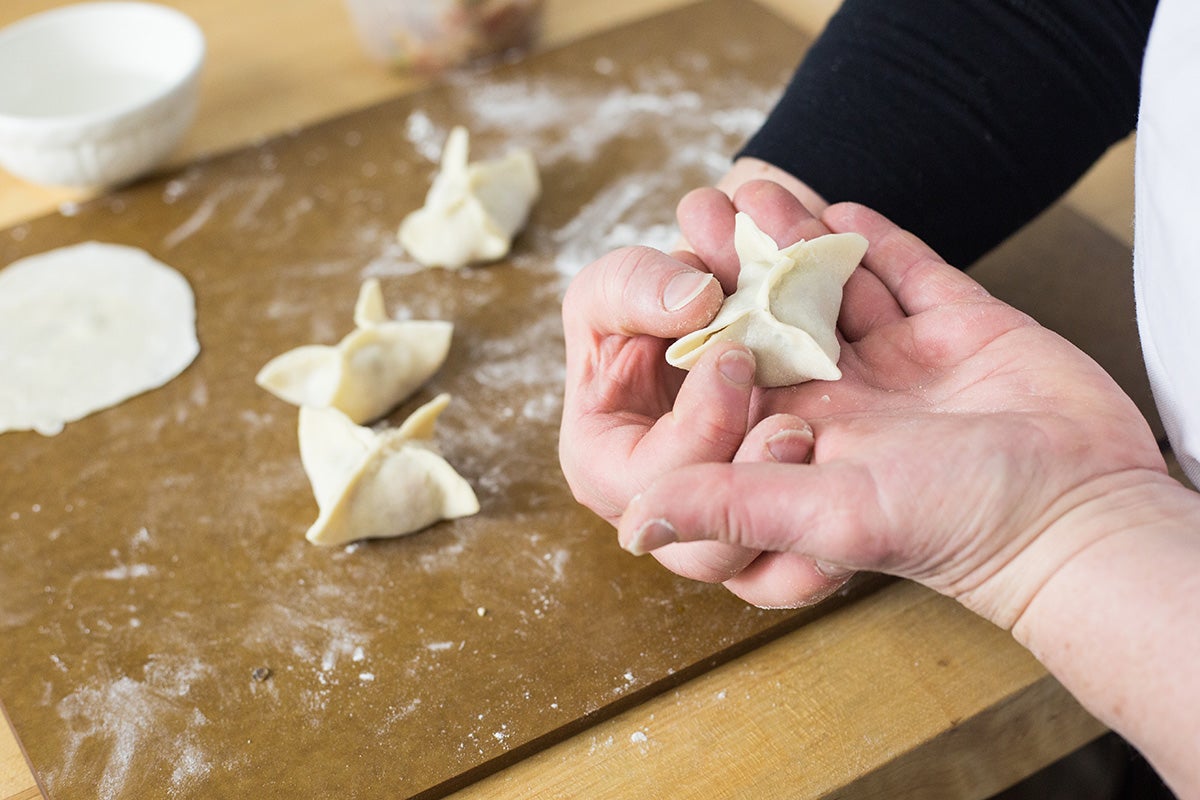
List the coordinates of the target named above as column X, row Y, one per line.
column 146, row 725
column 202, row 620
column 684, row 140
column 614, row 219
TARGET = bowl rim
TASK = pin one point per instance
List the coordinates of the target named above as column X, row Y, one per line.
column 21, row 124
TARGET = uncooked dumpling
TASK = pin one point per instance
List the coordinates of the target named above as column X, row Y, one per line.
column 472, row 211
column 368, row 373
column 372, row 484
column 785, row 308
column 86, row 327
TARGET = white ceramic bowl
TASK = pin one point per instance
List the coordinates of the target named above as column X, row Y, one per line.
column 95, row 94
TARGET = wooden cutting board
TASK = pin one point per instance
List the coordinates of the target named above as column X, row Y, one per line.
column 153, row 554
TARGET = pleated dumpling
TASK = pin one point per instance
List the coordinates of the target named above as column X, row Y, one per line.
column 785, row 308
column 371, row 484
column 472, row 211
column 369, row 372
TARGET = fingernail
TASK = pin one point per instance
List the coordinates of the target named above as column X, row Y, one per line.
column 791, row 446
column 684, row 288
column 651, row 536
column 832, row 571
column 737, row 366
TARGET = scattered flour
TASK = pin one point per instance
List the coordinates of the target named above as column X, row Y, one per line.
column 149, row 723
column 143, row 726
column 686, row 128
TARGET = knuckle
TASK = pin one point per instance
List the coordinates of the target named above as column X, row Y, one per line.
column 624, row 287
column 723, row 432
column 611, row 288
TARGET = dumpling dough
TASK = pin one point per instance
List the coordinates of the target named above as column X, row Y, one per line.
column 785, row 308
column 370, row 485
column 472, row 211
column 85, row 327
column 368, row 373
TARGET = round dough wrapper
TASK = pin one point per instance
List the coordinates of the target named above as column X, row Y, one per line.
column 85, row 327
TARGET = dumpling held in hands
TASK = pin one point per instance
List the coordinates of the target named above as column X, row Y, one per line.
column 785, row 308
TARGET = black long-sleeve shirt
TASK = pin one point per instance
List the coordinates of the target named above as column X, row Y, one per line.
column 959, row 119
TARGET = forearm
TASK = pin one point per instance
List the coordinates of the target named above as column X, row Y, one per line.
column 960, row 121
column 1119, row 623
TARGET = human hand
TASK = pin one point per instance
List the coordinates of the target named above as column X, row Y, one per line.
column 748, row 169
column 960, row 432
column 629, row 417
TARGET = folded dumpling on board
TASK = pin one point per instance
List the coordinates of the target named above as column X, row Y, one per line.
column 372, row 484
column 785, row 308
column 367, row 374
column 472, row 211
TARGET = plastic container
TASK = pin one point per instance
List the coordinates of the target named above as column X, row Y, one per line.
column 427, row 37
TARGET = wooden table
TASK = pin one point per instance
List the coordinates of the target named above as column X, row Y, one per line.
column 899, row 694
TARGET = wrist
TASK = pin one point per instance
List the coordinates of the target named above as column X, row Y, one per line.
column 1117, row 622
column 1128, row 525
column 1105, row 513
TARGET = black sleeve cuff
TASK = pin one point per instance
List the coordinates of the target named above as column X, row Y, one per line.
column 961, row 119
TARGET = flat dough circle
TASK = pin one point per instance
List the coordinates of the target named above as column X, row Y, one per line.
column 85, row 327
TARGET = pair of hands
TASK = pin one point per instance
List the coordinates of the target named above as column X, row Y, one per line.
column 959, row 436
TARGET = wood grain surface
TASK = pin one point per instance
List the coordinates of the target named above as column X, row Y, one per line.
column 808, row 717
column 1002, row 716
